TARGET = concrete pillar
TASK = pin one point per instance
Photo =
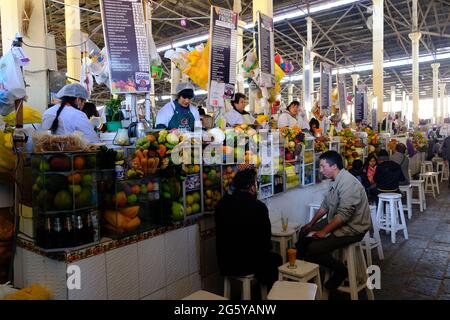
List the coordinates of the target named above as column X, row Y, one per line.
column 35, row 72
column 442, row 112
column 403, row 112
column 265, row 7
column 435, row 67
column 355, row 78
column 73, row 37
column 290, row 93
column 309, row 40
column 150, row 99
column 408, row 111
column 377, row 54
column 175, row 79
column 415, row 37
column 237, row 7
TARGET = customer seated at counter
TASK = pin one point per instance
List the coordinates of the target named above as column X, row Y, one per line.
column 243, row 233
column 357, row 171
column 370, row 167
column 388, row 174
column 348, row 213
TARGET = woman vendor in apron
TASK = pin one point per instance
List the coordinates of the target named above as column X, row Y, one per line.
column 179, row 113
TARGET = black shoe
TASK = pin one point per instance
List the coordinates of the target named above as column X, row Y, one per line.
column 336, row 280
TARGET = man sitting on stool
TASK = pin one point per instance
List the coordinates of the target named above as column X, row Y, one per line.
column 243, row 233
column 348, row 220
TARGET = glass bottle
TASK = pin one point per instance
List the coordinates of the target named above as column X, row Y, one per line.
column 78, row 230
column 57, row 236
column 68, row 232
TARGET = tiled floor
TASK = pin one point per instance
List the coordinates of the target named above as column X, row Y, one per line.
column 419, row 268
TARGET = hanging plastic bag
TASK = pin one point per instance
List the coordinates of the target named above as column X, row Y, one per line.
column 155, row 59
column 12, row 86
column 98, row 65
column 30, row 116
column 198, row 67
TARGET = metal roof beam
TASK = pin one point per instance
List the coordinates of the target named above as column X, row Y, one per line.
column 316, row 41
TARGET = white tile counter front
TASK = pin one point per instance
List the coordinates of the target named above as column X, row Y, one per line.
column 162, row 267
column 294, row 204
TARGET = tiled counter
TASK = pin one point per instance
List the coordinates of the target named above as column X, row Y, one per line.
column 148, row 266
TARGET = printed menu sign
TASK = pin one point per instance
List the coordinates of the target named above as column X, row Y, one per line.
column 222, row 62
column 342, row 92
column 325, row 87
column 127, row 46
column 266, row 53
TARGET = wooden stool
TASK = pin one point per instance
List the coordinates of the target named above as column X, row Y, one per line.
column 369, row 243
column 291, row 290
column 408, row 190
column 353, row 257
column 286, row 239
column 246, row 292
column 389, row 219
column 304, row 272
column 431, row 181
column 421, row 200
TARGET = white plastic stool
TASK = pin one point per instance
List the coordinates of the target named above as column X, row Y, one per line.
column 353, row 257
column 246, row 292
column 426, row 166
column 389, row 219
column 292, row 290
column 304, row 272
column 313, row 207
column 408, row 190
column 431, row 182
column 445, row 171
column 369, row 243
column 421, row 200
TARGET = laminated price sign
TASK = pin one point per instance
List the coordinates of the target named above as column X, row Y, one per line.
column 126, row 45
column 222, row 62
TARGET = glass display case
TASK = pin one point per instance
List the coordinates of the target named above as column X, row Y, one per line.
column 64, row 197
column 308, row 163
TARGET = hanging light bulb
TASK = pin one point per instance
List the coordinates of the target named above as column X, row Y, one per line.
column 183, row 22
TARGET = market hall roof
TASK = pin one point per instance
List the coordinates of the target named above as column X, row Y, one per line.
column 342, row 34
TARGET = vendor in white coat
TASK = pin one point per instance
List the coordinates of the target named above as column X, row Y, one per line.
column 179, row 113
column 289, row 117
column 66, row 118
column 238, row 115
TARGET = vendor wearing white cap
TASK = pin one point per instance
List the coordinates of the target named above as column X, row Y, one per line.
column 179, row 113
column 66, row 118
column 238, row 115
column 289, row 117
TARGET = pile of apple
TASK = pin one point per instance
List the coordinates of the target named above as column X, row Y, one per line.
column 227, row 178
column 212, row 197
column 193, row 204
column 353, row 147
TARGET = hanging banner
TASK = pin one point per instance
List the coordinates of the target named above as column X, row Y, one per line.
column 341, row 93
column 126, row 44
column 266, row 52
column 222, row 52
column 306, row 74
column 325, row 88
column 361, row 103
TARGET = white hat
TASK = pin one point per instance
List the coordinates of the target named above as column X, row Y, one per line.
column 184, row 86
column 73, row 90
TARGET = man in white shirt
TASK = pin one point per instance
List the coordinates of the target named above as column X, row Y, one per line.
column 238, row 115
column 65, row 117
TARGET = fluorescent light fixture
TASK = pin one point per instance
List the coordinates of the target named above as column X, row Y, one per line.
column 286, row 16
column 183, row 43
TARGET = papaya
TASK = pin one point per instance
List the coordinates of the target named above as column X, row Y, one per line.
column 133, row 224
column 116, row 219
column 113, row 229
column 130, row 212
